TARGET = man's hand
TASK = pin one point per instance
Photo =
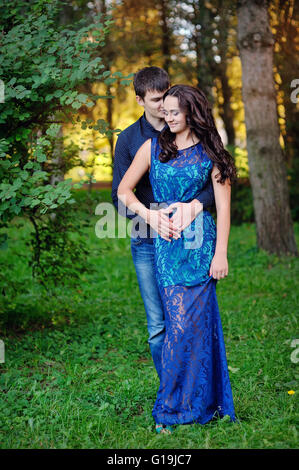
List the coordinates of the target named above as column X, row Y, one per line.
column 162, row 224
column 185, row 213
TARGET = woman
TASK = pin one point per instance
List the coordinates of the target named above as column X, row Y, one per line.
column 189, row 261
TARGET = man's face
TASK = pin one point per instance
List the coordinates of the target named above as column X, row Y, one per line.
column 152, row 103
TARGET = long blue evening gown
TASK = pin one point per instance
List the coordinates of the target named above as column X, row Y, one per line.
column 194, row 384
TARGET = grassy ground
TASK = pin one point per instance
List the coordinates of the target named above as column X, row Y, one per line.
column 85, row 379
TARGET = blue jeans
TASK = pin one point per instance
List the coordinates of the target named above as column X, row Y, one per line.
column 143, row 258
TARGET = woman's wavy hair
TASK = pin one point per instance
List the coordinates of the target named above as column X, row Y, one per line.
column 199, row 119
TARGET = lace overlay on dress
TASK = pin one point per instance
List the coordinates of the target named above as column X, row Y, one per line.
column 189, row 156
column 195, row 383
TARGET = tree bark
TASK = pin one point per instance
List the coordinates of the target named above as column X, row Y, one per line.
column 57, row 173
column 203, row 33
column 268, row 175
column 286, row 60
column 166, row 35
column 226, row 112
column 101, row 7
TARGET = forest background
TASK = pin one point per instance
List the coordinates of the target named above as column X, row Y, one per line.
column 67, row 295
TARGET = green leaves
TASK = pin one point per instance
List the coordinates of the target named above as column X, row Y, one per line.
column 7, row 191
column 40, row 155
column 82, row 98
column 20, row 92
column 76, row 104
column 44, row 67
column 53, row 130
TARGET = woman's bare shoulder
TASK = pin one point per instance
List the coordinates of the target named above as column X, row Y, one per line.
column 146, row 145
column 145, row 151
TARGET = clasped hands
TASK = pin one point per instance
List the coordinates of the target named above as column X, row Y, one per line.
column 171, row 227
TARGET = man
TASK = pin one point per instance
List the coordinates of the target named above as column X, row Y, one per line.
column 150, row 84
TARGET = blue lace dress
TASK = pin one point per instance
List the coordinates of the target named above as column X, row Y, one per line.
column 194, row 383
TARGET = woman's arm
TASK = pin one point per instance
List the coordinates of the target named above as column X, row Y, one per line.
column 219, row 265
column 139, row 166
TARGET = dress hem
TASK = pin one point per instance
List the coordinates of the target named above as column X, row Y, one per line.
column 216, row 414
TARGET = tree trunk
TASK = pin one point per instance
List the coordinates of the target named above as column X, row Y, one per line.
column 57, row 174
column 286, row 60
column 108, row 58
column 226, row 113
column 268, row 177
column 203, row 33
column 109, row 119
column 166, row 35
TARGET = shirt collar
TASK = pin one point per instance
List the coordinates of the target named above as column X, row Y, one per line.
column 147, row 125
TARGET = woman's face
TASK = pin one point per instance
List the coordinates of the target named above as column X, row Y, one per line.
column 175, row 118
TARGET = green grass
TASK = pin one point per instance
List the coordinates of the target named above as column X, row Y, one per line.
column 78, row 372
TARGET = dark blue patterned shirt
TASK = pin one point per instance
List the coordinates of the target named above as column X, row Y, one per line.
column 128, row 143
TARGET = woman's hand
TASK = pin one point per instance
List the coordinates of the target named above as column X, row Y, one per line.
column 185, row 213
column 162, row 224
column 219, row 266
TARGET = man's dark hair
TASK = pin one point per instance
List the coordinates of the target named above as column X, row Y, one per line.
column 150, row 79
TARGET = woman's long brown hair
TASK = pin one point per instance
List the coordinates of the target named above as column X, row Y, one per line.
column 199, row 119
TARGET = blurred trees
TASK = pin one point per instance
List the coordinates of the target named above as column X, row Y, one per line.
column 202, row 50
column 268, row 176
column 195, row 40
column 284, row 17
column 285, row 23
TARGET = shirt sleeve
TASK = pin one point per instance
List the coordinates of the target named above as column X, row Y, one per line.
column 122, row 161
column 206, row 195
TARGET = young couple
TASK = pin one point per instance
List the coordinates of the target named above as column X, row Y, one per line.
column 174, row 155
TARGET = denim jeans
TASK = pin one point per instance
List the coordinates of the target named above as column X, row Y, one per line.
column 143, row 258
